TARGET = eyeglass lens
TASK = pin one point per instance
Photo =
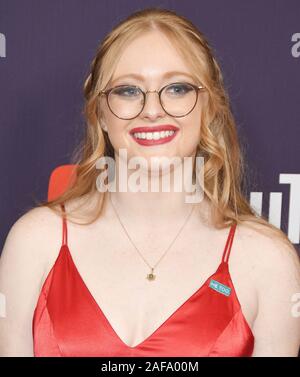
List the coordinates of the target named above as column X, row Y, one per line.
column 126, row 101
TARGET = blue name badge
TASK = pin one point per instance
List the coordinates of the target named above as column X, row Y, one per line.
column 219, row 287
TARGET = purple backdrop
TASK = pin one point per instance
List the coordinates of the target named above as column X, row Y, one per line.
column 46, row 48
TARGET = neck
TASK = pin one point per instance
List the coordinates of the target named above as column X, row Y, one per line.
column 155, row 208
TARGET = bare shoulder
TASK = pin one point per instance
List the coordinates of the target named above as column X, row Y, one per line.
column 37, row 234
column 270, row 258
column 29, row 244
column 274, row 267
column 266, row 248
column 29, row 235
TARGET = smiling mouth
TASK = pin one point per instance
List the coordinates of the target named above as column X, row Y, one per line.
column 154, row 135
column 154, row 138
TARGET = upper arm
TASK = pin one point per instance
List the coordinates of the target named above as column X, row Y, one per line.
column 277, row 325
column 22, row 265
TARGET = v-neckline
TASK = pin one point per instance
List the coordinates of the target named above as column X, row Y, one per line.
column 164, row 323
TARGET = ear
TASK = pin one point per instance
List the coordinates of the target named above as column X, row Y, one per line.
column 103, row 126
column 101, row 119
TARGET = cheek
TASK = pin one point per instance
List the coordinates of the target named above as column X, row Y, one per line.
column 116, row 129
column 191, row 130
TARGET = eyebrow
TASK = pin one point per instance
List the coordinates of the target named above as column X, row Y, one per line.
column 165, row 76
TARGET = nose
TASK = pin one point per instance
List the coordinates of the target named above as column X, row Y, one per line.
column 152, row 107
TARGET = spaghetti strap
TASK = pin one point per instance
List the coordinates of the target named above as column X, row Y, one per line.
column 229, row 241
column 65, row 228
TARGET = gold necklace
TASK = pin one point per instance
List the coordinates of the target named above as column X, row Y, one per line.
column 151, row 276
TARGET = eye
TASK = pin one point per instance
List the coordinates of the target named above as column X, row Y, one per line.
column 179, row 89
column 126, row 91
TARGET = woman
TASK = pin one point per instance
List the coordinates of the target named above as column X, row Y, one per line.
column 149, row 273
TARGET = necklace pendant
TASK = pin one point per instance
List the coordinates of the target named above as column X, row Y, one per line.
column 151, row 276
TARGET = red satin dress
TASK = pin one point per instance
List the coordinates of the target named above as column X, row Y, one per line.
column 67, row 320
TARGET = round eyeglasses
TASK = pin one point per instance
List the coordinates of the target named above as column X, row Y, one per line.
column 127, row 101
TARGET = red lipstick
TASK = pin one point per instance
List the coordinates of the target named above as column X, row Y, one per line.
column 159, row 134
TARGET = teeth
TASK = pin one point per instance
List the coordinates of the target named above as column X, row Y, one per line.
column 153, row 135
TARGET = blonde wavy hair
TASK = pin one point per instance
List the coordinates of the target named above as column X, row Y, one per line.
column 224, row 166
